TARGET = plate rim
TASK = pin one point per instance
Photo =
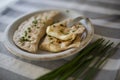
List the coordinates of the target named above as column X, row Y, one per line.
column 42, row 57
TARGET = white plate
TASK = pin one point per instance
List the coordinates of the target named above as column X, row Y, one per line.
column 44, row 55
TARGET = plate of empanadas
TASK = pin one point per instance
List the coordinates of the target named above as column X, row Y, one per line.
column 44, row 34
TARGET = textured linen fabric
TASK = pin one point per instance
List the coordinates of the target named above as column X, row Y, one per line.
column 15, row 68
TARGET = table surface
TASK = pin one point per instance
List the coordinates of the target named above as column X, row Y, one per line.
column 15, row 68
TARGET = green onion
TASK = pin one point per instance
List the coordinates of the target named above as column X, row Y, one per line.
column 78, row 66
column 35, row 22
column 92, row 72
column 23, row 39
column 25, row 33
column 29, row 29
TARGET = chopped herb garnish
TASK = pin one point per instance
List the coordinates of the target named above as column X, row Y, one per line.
column 61, row 25
column 29, row 36
column 26, row 40
column 61, row 31
column 29, row 29
column 73, row 31
column 25, row 33
column 79, row 65
column 22, row 39
column 35, row 22
column 25, row 37
column 49, row 36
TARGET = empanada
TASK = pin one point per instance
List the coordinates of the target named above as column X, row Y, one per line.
column 59, row 37
column 30, row 32
column 53, row 44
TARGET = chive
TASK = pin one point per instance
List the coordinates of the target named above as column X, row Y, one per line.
column 29, row 29
column 61, row 31
column 73, row 31
column 77, row 74
column 66, row 75
column 25, row 33
column 81, row 62
column 22, row 39
column 35, row 22
column 53, row 74
column 94, row 59
column 93, row 70
column 49, row 36
column 72, row 62
column 29, row 36
column 80, row 71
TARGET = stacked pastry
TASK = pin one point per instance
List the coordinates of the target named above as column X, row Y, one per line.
column 60, row 37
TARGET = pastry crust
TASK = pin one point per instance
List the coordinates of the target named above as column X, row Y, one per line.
column 30, row 32
column 59, row 37
column 53, row 44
